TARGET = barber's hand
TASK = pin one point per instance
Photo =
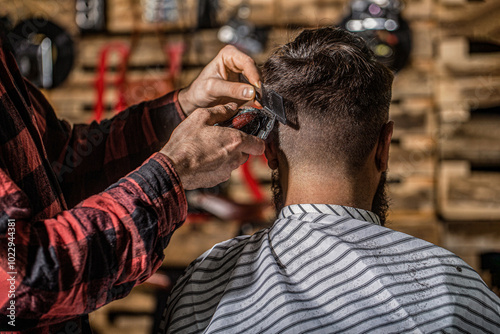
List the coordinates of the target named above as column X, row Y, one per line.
column 204, row 155
column 218, row 82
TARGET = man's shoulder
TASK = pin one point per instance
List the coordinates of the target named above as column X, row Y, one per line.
column 207, row 279
column 224, row 255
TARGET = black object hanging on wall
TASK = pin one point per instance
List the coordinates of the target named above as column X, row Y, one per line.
column 91, row 15
column 380, row 24
column 44, row 51
column 207, row 14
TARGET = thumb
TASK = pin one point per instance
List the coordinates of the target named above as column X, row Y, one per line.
column 234, row 90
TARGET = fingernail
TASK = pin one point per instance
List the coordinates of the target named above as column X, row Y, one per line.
column 248, row 92
column 259, row 84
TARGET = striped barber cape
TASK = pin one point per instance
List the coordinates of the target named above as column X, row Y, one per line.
column 330, row 269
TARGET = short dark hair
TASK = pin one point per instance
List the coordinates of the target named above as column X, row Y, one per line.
column 335, row 90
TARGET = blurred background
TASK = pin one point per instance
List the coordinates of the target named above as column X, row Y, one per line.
column 92, row 58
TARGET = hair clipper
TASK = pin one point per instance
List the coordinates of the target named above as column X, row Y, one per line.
column 258, row 122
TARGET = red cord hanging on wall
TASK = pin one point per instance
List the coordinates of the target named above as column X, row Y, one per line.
column 100, row 83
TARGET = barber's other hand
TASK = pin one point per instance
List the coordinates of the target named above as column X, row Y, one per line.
column 218, row 82
column 204, row 155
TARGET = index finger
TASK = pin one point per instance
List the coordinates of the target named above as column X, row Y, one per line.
column 218, row 114
column 238, row 62
column 251, row 144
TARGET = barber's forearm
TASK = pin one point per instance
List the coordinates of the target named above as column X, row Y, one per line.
column 165, row 114
column 95, row 253
column 97, row 155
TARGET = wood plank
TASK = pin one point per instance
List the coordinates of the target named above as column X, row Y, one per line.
column 465, row 195
column 121, row 19
column 464, row 10
column 412, row 82
column 76, row 99
column 476, row 20
column 423, row 34
column 193, row 239
column 416, row 10
column 477, row 140
column 454, row 56
column 411, row 194
column 279, row 13
column 137, row 301
column 413, row 117
column 201, row 48
column 455, row 97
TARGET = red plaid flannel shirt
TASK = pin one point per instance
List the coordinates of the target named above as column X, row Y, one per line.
column 69, row 262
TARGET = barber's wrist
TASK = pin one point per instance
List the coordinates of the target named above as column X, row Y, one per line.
column 180, row 164
column 184, row 101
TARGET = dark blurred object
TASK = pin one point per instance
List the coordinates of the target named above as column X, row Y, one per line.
column 91, row 15
column 44, row 51
column 5, row 28
column 207, row 14
column 491, row 262
column 238, row 31
column 160, row 10
column 5, row 24
column 380, row 24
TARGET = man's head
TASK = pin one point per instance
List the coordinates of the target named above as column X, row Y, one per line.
column 336, row 97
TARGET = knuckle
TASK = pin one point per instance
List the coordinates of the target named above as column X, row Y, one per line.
column 210, row 85
column 229, row 47
column 225, row 152
column 234, row 164
column 224, row 50
column 249, row 61
column 202, row 113
column 236, row 138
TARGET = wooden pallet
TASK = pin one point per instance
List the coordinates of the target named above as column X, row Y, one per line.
column 479, row 20
column 414, row 119
column 278, row 13
column 477, row 140
column 455, row 57
column 457, row 11
column 469, row 240
column 147, row 62
column 416, row 10
column 457, row 96
column 123, row 16
column 412, row 82
column 411, row 194
column 423, row 34
column 465, row 195
column 138, row 301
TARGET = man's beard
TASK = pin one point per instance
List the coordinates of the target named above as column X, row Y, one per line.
column 277, row 190
column 380, row 204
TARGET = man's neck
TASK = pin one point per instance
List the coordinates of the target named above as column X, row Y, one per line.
column 329, row 189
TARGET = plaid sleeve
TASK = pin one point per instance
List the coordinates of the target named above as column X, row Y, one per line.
column 89, row 157
column 85, row 257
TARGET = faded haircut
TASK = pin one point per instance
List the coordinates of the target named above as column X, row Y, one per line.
column 336, row 97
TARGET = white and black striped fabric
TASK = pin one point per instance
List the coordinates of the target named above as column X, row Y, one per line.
column 330, row 269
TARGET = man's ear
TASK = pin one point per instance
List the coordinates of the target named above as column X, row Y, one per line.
column 384, row 141
column 271, row 155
